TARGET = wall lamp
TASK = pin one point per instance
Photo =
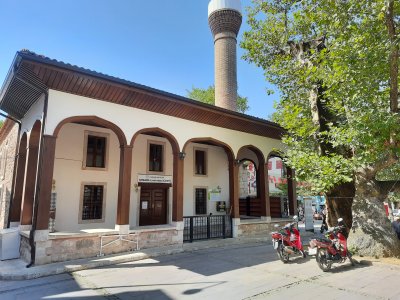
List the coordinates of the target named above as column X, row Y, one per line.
column 182, row 155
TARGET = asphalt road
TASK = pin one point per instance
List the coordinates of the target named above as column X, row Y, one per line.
column 246, row 272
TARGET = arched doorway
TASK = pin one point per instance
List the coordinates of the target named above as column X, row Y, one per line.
column 156, row 175
column 253, row 201
column 282, row 190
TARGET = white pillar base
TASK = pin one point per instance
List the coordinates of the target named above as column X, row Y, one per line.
column 25, row 227
column 122, row 229
column 41, row 235
column 266, row 219
column 235, row 227
column 14, row 224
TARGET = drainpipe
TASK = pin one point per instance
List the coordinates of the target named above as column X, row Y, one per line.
column 15, row 165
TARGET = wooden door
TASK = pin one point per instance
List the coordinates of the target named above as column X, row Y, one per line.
column 153, row 206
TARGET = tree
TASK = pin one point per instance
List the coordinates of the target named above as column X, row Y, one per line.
column 336, row 64
column 208, row 96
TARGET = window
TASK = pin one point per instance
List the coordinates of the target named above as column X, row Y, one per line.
column 96, row 151
column 201, row 201
column 92, row 202
column 156, row 154
column 200, row 162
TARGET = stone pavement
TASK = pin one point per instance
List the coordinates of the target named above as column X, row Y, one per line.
column 235, row 272
column 16, row 269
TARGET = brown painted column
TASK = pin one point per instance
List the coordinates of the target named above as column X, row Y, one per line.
column 292, row 192
column 267, row 200
column 124, row 185
column 15, row 214
column 45, row 182
column 29, row 185
column 177, row 184
column 262, row 189
column 234, row 188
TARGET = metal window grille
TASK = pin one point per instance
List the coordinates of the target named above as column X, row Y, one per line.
column 200, row 162
column 96, row 151
column 92, row 202
column 201, row 201
column 156, row 158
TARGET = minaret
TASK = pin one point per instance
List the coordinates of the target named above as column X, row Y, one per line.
column 225, row 18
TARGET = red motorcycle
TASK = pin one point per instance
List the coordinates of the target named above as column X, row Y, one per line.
column 288, row 241
column 333, row 248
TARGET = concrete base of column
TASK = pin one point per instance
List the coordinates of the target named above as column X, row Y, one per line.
column 25, row 227
column 266, row 219
column 122, row 229
column 43, row 245
column 180, row 226
column 14, row 224
column 235, row 227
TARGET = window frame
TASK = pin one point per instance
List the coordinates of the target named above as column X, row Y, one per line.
column 103, row 216
column 205, row 150
column 163, row 164
column 194, row 200
column 105, row 135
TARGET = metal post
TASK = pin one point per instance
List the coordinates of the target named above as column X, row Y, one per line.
column 191, row 229
column 223, row 227
column 208, row 227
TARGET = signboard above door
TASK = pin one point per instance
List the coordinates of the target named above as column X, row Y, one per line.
column 150, row 178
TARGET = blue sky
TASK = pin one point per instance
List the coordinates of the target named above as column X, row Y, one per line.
column 163, row 44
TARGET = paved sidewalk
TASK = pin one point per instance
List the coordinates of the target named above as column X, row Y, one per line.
column 16, row 269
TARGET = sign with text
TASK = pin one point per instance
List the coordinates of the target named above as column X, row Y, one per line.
column 214, row 195
column 150, row 178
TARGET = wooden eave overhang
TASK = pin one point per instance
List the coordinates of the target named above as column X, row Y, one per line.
column 31, row 75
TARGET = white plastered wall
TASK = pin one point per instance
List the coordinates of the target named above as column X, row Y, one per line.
column 63, row 105
column 69, row 176
column 34, row 113
column 217, row 175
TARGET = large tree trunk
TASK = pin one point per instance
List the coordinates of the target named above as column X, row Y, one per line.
column 339, row 202
column 372, row 233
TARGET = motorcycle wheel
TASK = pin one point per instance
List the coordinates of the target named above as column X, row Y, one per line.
column 283, row 256
column 322, row 260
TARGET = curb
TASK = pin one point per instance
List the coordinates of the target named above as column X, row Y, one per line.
column 60, row 268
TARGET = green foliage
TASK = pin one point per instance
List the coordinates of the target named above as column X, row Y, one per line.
column 1, row 123
column 342, row 49
column 391, row 173
column 394, row 197
column 208, row 96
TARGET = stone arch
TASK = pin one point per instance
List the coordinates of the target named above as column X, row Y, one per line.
column 214, row 142
column 93, row 121
column 260, row 205
column 291, row 184
column 177, row 175
column 122, row 217
column 30, row 175
column 15, row 212
column 232, row 166
column 159, row 132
